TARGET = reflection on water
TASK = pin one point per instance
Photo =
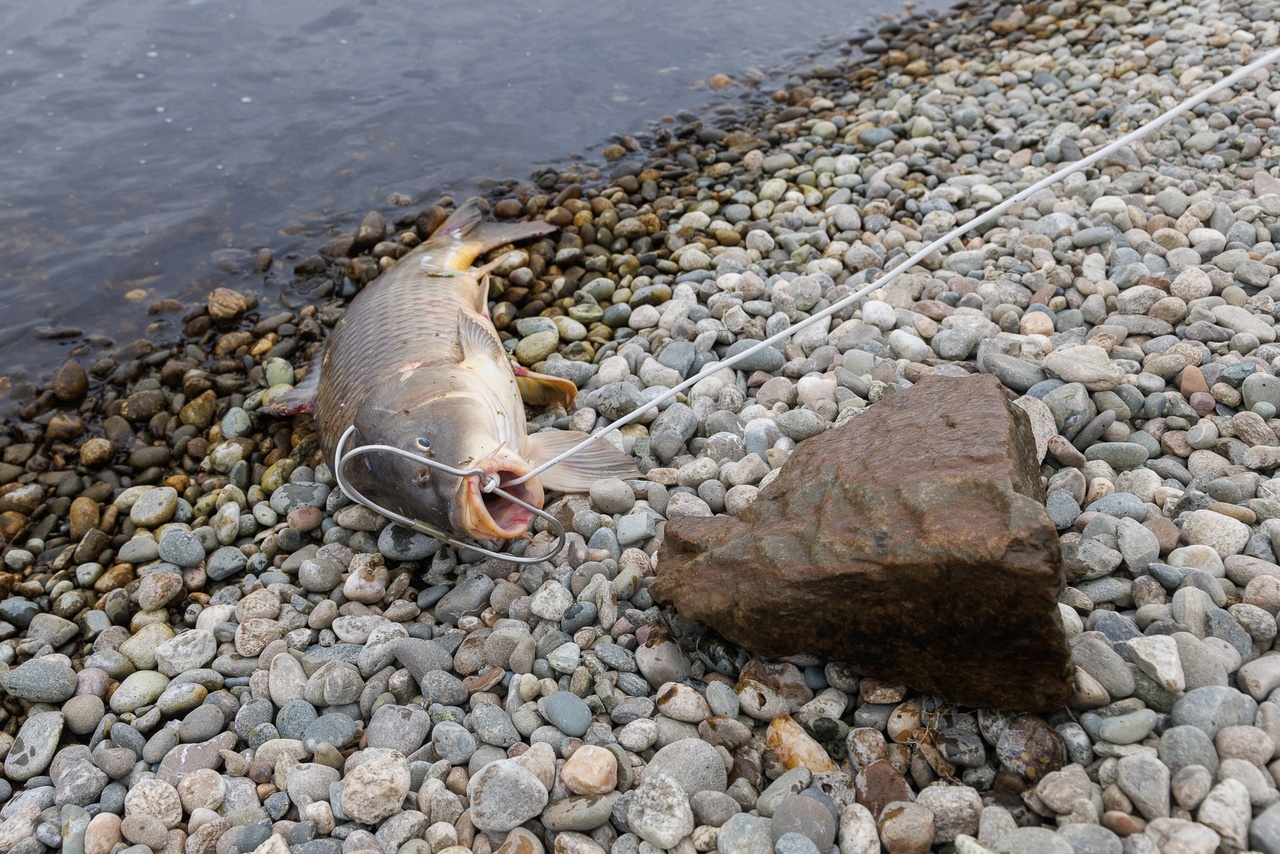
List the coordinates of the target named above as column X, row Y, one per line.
column 149, row 147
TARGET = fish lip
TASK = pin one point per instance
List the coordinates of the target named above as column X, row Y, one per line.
column 485, row 516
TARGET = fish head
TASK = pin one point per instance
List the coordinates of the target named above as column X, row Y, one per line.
column 461, row 433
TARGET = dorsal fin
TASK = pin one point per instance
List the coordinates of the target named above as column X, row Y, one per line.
column 478, row 344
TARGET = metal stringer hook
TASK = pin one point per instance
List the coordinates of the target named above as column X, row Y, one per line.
column 488, row 484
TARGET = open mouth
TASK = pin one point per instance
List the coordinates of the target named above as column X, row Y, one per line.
column 493, row 515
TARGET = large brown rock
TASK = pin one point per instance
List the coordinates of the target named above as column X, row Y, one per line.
column 912, row 541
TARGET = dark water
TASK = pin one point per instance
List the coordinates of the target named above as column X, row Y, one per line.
column 149, row 147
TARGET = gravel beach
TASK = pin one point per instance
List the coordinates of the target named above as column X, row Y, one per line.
column 205, row 647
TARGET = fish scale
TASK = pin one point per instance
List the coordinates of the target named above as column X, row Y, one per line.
column 409, row 317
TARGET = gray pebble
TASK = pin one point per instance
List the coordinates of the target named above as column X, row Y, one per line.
column 568, row 713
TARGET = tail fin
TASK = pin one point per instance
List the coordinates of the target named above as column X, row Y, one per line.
column 464, row 236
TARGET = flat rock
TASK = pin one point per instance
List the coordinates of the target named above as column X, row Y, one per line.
column 856, row 552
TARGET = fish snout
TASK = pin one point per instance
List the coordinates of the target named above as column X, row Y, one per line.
column 487, row 515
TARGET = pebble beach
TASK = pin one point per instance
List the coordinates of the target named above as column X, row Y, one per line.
column 206, row 647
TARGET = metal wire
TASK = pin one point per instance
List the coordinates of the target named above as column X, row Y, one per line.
column 915, row 259
column 489, row 484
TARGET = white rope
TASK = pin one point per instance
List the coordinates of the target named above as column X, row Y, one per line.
column 1076, row 166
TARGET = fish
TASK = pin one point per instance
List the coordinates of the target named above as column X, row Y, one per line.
column 415, row 363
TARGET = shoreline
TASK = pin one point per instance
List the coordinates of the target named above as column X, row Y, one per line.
column 200, row 635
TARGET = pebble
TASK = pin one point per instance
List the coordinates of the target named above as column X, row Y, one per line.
column 906, row 828
column 374, row 789
column 40, row 680
column 30, row 753
column 591, row 770
column 568, row 713
column 504, row 795
column 659, row 811
column 693, row 764
column 256, row 656
column 154, row 507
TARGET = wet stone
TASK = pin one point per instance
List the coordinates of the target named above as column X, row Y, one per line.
column 400, row 543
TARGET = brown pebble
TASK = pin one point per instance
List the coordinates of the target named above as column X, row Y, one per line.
column 70, row 382
column 1193, row 381
column 158, row 589
column 1122, row 824
column 1235, row 511
column 63, row 427
column 1203, row 402
column 1031, row 748
column 305, row 519
column 508, row 208
column 1166, row 533
column 483, row 681
column 141, row 405
column 372, row 229
column 114, row 578
column 590, row 770
column 199, row 412
column 906, row 828
column 456, row 780
column 96, row 452
column 880, row 784
column 225, row 304
column 1065, row 452
column 103, row 833
column 83, row 516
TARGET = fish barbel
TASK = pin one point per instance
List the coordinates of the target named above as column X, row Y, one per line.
column 416, row 364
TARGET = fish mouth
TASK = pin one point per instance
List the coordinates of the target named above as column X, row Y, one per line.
column 488, row 515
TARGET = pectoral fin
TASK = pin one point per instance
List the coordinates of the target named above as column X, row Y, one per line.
column 576, row 474
column 543, row 390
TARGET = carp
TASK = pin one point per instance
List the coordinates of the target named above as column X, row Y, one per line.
column 415, row 364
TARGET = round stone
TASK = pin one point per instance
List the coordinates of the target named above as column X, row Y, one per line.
column 591, row 770
column 41, row 680
column 694, row 764
column 568, row 713
column 154, row 507
column 1030, row 748
column 805, row 816
column 374, row 789
column 504, row 795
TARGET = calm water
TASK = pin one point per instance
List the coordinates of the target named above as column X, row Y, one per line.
column 148, row 147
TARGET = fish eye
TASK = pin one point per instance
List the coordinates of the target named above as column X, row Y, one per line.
column 422, row 444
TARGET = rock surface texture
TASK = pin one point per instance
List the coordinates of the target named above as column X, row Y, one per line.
column 879, row 540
